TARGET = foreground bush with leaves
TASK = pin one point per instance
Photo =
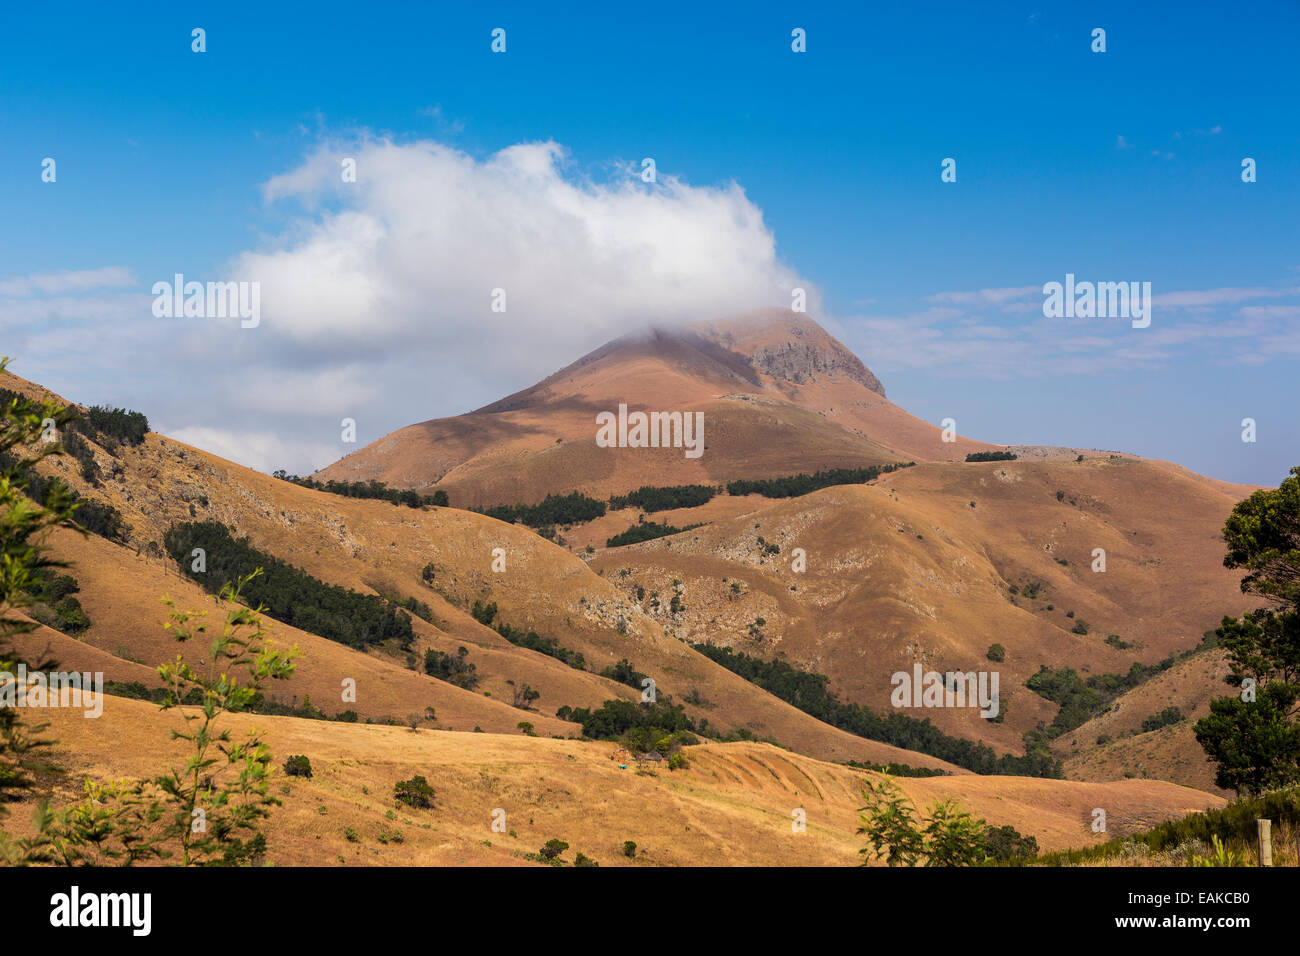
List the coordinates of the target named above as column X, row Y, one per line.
column 28, row 433
column 208, row 811
column 949, row 836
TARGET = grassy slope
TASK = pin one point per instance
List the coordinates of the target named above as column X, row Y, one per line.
column 733, row 805
column 904, row 570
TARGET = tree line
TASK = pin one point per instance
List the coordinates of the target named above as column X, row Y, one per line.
column 650, row 498
column 793, row 486
column 645, row 531
column 991, row 456
column 368, row 489
column 289, row 594
column 574, row 508
column 809, row 692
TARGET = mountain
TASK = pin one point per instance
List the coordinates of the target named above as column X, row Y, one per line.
column 930, row 564
column 779, row 395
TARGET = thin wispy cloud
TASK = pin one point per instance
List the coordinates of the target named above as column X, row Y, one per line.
column 977, row 333
column 987, row 296
column 56, row 283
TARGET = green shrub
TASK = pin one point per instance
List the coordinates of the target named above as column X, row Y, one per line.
column 1005, row 844
column 72, row 618
column 575, row 508
column 484, row 613
column 997, row 653
column 454, row 669
column 552, row 849
column 1082, row 699
column 415, row 792
column 542, row 645
column 298, row 766
column 367, row 489
column 624, row 673
column 126, row 426
column 1170, row 715
column 949, row 837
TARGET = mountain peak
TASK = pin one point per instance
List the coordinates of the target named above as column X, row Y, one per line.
column 788, row 346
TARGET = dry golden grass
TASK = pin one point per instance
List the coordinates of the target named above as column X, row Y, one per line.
column 733, row 805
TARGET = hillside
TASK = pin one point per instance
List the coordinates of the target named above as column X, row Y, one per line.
column 1114, row 745
column 373, row 546
column 919, row 567
column 732, row 806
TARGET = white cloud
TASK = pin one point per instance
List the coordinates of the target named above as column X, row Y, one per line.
column 376, row 297
column 1201, row 298
column 409, row 255
column 975, row 334
column 988, row 296
column 56, row 283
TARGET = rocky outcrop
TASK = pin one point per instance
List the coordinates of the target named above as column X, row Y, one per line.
column 803, row 362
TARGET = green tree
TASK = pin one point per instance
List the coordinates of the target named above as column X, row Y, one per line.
column 213, row 803
column 1254, row 735
column 207, row 811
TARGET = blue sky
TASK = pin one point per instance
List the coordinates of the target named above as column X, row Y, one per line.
column 1115, row 166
